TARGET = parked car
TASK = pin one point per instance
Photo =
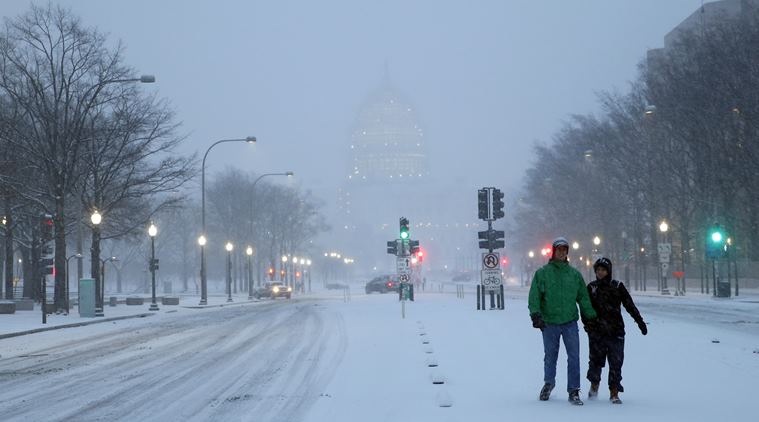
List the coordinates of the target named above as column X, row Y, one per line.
column 274, row 289
column 383, row 284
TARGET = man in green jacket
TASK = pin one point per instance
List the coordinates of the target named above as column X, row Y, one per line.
column 556, row 290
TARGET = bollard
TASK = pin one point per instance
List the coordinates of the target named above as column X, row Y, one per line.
column 478, row 297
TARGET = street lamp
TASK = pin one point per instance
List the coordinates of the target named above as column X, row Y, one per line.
column 203, row 285
column 229, row 247
column 531, row 254
column 575, row 245
column 152, row 232
column 596, row 240
column 664, row 257
column 102, row 276
column 249, row 253
column 77, row 256
column 203, row 279
column 308, row 264
column 96, row 219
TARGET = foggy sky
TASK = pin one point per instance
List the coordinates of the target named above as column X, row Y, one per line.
column 486, row 78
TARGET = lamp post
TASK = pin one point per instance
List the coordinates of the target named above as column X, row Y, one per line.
column 96, row 219
column 203, row 279
column 249, row 252
column 283, row 270
column 102, row 276
column 77, row 256
column 152, row 232
column 596, row 254
column 229, row 247
column 203, row 286
column 664, row 256
column 308, row 263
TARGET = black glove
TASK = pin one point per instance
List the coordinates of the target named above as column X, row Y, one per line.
column 590, row 325
column 643, row 327
column 537, row 321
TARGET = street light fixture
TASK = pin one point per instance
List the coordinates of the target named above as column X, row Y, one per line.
column 203, row 278
column 575, row 245
column 229, row 247
column 96, row 218
column 249, row 253
column 596, row 240
column 531, row 254
column 77, row 256
column 663, row 227
column 152, row 232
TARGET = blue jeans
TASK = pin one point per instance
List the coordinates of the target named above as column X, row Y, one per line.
column 551, row 335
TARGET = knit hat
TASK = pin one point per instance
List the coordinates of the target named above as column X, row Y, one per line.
column 559, row 241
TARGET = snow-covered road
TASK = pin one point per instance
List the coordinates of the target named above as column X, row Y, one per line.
column 236, row 363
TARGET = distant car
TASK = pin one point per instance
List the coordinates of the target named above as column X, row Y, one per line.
column 382, row 284
column 273, row 290
column 462, row 277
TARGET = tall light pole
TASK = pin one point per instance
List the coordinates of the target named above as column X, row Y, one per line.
column 152, row 232
column 102, row 276
column 229, row 246
column 308, row 263
column 79, row 257
column 664, row 256
column 203, row 279
column 96, row 219
column 249, row 253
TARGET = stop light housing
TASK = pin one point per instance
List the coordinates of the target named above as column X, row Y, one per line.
column 413, row 246
column 482, row 204
column 716, row 242
column 392, row 247
column 498, row 204
column 46, row 227
column 404, row 229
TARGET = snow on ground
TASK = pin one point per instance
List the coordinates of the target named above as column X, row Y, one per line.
column 358, row 360
column 492, row 363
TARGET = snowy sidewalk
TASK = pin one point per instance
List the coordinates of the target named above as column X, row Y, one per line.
column 29, row 322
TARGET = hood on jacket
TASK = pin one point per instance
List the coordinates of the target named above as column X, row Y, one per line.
column 603, row 262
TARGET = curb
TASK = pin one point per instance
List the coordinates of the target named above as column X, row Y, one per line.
column 76, row 324
column 219, row 306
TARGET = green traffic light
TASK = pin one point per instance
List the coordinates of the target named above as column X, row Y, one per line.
column 716, row 237
column 404, row 235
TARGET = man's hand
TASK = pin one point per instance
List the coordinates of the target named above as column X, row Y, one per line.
column 537, row 321
column 590, row 325
column 643, row 327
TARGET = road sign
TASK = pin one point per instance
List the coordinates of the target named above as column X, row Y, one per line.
column 404, row 278
column 403, row 265
column 491, row 279
column 491, row 260
column 665, row 248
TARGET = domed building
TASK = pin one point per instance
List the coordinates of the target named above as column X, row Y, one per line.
column 387, row 144
column 389, row 177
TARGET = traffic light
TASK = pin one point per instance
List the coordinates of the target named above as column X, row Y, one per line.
column 404, row 228
column 498, row 204
column 47, row 261
column 46, row 227
column 413, row 246
column 491, row 239
column 482, row 204
column 154, row 264
column 392, row 247
column 420, row 256
column 715, row 242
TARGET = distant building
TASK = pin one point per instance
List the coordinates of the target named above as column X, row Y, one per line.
column 389, row 176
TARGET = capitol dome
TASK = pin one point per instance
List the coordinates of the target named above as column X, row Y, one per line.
column 387, row 144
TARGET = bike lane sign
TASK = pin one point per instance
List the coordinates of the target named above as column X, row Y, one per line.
column 491, row 279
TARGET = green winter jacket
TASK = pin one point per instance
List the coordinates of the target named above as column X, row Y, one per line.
column 556, row 290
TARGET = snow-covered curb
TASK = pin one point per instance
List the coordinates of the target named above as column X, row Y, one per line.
column 75, row 324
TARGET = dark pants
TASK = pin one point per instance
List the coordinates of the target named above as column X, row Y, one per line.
column 603, row 348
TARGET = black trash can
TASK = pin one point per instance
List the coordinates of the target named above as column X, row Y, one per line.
column 723, row 289
column 113, row 300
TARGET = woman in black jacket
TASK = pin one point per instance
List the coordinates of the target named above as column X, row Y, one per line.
column 606, row 335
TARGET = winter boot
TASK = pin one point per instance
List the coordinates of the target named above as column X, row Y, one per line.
column 574, row 398
column 593, row 393
column 545, row 392
column 614, row 395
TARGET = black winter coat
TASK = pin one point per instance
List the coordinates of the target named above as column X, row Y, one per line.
column 607, row 295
